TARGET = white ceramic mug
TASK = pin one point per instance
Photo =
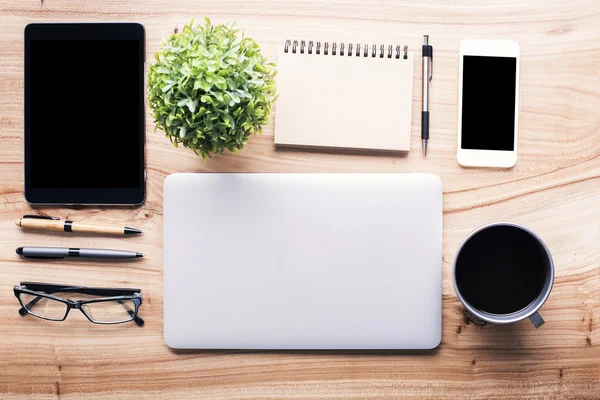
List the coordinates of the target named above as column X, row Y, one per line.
column 487, row 247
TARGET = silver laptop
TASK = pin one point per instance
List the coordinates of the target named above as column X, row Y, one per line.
column 302, row 261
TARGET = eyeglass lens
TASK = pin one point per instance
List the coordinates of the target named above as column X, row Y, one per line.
column 110, row 311
column 44, row 307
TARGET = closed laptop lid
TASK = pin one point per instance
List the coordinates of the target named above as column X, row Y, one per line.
column 302, row 261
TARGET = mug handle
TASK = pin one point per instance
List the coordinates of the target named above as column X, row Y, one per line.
column 536, row 319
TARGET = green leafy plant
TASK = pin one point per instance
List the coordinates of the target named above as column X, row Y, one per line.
column 210, row 89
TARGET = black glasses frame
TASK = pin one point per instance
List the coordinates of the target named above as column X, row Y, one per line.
column 45, row 290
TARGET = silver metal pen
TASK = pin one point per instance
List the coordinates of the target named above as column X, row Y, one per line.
column 427, row 76
column 63, row 252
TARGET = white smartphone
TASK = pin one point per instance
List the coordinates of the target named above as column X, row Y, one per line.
column 488, row 103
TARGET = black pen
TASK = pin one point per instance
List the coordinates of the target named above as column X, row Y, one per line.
column 427, row 76
column 63, row 252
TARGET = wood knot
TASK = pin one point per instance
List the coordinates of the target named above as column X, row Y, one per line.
column 560, row 372
column 459, row 329
column 473, row 362
column 176, row 30
column 144, row 213
column 589, row 341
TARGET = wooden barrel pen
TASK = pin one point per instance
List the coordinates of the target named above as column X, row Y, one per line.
column 56, row 225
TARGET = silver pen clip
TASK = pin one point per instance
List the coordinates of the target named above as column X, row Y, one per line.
column 431, row 68
column 35, row 216
column 429, row 49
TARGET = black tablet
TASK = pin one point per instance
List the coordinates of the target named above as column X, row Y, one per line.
column 84, row 114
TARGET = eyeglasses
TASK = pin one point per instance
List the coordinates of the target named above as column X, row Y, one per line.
column 41, row 300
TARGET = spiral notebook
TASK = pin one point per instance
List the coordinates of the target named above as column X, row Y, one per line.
column 344, row 96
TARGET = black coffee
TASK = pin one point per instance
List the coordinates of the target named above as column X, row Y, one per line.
column 501, row 270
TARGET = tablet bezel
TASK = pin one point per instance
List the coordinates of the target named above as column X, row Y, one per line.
column 85, row 196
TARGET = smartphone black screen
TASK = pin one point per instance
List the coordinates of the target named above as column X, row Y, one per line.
column 84, row 114
column 488, row 103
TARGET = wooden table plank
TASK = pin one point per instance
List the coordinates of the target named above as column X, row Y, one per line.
column 554, row 189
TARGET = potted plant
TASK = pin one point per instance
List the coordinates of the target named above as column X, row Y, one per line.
column 210, row 89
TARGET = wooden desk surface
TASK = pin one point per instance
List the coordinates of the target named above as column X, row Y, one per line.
column 554, row 190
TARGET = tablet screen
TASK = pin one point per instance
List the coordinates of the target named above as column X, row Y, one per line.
column 85, row 100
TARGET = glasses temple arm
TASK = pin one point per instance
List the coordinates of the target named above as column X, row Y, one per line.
column 52, row 288
column 138, row 320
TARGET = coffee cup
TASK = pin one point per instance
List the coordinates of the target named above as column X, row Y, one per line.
column 503, row 273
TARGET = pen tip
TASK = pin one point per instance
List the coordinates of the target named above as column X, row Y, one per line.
column 139, row 254
column 18, row 222
column 132, row 231
column 19, row 250
column 424, row 148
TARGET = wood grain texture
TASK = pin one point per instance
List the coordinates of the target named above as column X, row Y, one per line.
column 554, row 190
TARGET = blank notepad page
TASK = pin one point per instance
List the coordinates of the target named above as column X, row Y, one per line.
column 343, row 101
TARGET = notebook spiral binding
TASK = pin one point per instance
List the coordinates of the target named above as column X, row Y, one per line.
column 302, row 47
